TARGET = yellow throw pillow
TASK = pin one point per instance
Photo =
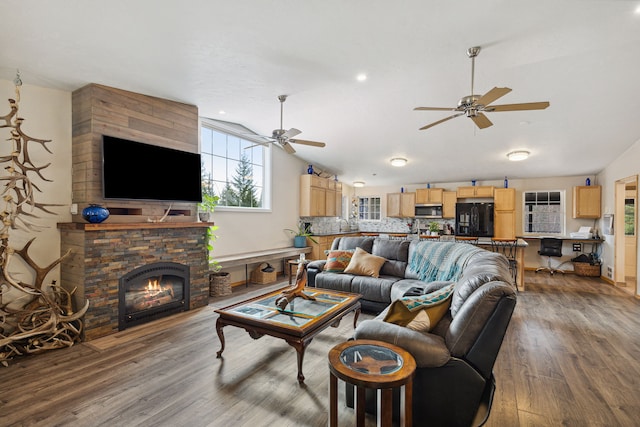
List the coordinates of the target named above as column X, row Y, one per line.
column 364, row 264
column 421, row 313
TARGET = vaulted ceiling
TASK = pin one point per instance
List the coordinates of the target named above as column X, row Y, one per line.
column 238, row 56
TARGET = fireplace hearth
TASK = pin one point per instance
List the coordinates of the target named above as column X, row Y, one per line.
column 152, row 291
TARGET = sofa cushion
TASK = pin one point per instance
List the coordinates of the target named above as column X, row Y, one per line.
column 346, row 243
column 337, row 261
column 396, row 252
column 364, row 264
column 334, row 281
column 376, row 289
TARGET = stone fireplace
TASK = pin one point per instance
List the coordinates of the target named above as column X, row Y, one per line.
column 103, row 254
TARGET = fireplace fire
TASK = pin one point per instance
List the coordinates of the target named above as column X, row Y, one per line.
column 152, row 291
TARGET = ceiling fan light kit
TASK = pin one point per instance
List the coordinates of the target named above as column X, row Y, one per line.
column 516, row 156
column 398, row 162
column 474, row 106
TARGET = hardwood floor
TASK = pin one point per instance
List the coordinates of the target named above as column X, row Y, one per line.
column 570, row 357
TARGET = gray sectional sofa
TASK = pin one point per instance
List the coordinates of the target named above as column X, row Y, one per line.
column 454, row 382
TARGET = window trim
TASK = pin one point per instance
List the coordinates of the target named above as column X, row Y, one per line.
column 235, row 129
column 379, row 205
column 563, row 222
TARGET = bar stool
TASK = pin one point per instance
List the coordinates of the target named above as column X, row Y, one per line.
column 508, row 248
column 473, row 240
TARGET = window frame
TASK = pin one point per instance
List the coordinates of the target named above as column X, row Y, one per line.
column 563, row 214
column 359, row 213
column 244, row 133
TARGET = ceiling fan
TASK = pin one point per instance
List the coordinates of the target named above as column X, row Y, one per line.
column 285, row 137
column 473, row 106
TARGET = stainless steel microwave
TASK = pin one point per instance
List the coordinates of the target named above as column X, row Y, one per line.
column 428, row 211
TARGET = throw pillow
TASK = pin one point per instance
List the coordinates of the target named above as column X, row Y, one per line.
column 337, row 261
column 421, row 313
column 364, row 264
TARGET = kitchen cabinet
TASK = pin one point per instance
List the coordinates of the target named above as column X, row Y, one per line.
column 319, row 196
column 504, row 215
column 449, row 199
column 429, row 195
column 401, row 205
column 324, row 244
column 587, row 201
column 480, row 191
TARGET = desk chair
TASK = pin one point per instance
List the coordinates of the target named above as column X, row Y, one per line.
column 508, row 247
column 550, row 247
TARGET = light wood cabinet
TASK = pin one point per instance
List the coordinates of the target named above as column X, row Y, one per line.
column 429, row 195
column 401, row 205
column 319, row 196
column 449, row 199
column 324, row 244
column 587, row 201
column 504, row 215
column 480, row 191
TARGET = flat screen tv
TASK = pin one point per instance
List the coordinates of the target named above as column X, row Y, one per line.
column 132, row 170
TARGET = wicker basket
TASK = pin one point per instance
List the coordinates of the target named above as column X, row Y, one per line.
column 586, row 269
column 219, row 284
column 263, row 277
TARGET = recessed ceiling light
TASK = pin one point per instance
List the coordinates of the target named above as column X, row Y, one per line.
column 398, row 161
column 358, row 184
column 361, row 77
column 516, row 156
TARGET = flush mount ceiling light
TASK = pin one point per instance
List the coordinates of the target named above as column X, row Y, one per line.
column 398, row 162
column 516, row 156
column 358, row 184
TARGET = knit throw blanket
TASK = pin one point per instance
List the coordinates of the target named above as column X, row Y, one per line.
column 440, row 260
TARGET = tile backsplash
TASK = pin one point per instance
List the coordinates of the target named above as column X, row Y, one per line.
column 329, row 225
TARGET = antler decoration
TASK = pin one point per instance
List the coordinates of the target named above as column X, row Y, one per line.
column 38, row 317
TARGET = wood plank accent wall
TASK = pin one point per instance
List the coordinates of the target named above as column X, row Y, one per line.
column 101, row 110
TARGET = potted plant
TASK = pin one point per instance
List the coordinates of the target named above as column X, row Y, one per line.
column 207, row 206
column 434, row 228
column 300, row 236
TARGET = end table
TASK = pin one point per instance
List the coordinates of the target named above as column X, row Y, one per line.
column 377, row 365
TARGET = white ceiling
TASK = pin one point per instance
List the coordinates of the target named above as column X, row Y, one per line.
column 238, row 56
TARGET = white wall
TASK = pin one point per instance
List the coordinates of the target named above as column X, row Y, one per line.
column 47, row 115
column 628, row 164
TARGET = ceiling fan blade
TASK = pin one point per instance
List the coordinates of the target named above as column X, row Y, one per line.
column 291, row 133
column 433, row 109
column 287, row 147
column 481, row 121
column 440, row 121
column 305, row 142
column 492, row 95
column 519, row 107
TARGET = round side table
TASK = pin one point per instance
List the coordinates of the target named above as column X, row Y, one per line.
column 377, row 365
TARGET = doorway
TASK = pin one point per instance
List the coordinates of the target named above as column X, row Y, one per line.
column 625, row 232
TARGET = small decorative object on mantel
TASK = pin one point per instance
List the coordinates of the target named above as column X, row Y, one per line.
column 296, row 290
column 95, row 214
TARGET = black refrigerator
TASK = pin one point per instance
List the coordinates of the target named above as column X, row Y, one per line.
column 474, row 219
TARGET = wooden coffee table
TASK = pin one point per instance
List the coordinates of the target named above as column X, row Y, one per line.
column 301, row 320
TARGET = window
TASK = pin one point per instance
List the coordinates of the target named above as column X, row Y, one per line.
column 369, row 208
column 234, row 167
column 544, row 212
column 629, row 217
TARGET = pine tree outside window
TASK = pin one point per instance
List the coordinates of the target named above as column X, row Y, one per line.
column 235, row 165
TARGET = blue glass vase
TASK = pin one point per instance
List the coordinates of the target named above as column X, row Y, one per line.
column 310, row 170
column 95, row 214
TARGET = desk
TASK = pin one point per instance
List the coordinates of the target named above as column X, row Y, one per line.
column 595, row 243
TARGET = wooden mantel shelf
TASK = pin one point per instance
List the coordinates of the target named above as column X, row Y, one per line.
column 86, row 226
